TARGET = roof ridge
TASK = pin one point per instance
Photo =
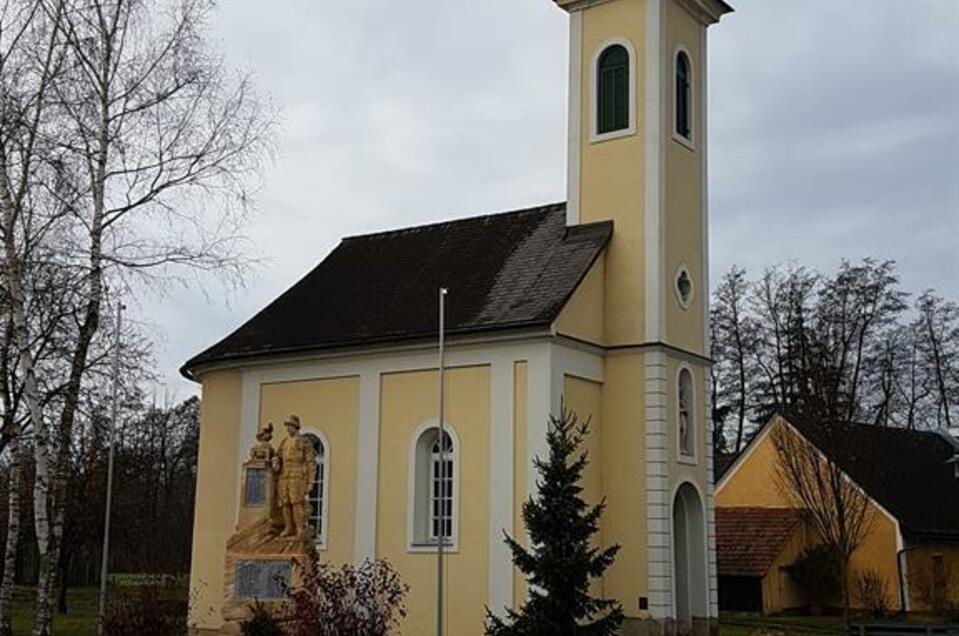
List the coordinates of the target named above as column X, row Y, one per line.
column 536, row 208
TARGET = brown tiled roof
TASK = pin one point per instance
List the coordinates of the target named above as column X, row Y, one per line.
column 748, row 540
column 507, row 271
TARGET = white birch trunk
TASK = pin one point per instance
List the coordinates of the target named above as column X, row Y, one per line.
column 13, row 536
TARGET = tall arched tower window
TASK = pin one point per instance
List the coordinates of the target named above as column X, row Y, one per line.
column 684, row 97
column 433, row 488
column 687, row 419
column 612, row 90
column 317, row 495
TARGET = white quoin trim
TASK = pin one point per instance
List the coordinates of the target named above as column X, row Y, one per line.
column 575, row 114
column 411, row 501
column 594, row 135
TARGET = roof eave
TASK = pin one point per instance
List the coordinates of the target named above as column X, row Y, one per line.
column 193, row 369
column 707, row 11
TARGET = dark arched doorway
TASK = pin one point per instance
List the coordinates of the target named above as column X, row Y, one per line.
column 690, row 572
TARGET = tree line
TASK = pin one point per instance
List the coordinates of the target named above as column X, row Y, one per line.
column 154, row 477
column 851, row 346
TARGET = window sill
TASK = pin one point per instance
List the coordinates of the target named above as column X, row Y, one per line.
column 687, row 460
column 609, row 136
column 684, row 141
column 432, row 548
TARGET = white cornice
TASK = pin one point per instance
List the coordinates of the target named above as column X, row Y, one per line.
column 706, row 11
column 579, row 5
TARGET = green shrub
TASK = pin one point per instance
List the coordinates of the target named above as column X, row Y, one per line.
column 261, row 623
column 817, row 573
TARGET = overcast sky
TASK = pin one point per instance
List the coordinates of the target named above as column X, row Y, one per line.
column 834, row 132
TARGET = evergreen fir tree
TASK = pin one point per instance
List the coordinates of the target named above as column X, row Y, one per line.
column 561, row 561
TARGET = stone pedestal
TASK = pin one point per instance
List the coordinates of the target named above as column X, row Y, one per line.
column 260, row 564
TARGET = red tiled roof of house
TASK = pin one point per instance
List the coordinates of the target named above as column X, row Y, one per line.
column 748, row 540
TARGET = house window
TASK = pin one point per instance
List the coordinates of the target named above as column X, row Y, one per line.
column 612, row 90
column 687, row 420
column 317, row 495
column 434, row 489
column 684, row 82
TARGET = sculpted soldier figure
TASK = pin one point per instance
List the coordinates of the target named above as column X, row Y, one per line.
column 293, row 465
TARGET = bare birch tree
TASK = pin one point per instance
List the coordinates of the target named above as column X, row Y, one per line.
column 126, row 149
column 159, row 142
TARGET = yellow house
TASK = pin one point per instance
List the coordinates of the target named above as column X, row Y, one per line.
column 911, row 480
column 600, row 301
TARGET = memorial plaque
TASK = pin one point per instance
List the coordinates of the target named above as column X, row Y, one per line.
column 255, row 487
column 262, row 579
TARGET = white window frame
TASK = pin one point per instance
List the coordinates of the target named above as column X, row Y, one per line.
column 681, row 455
column 594, row 136
column 689, row 142
column 418, row 511
column 323, row 532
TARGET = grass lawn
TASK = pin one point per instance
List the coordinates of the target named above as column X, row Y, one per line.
column 81, row 620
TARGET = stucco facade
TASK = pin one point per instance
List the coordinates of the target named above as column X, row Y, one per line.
column 753, row 482
column 614, row 354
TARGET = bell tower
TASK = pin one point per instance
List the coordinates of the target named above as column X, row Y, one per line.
column 638, row 156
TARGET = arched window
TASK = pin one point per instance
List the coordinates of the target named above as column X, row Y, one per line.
column 684, row 83
column 612, row 90
column 441, row 488
column 317, row 495
column 687, row 419
column 434, row 489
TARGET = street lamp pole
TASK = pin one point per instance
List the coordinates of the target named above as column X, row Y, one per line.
column 441, row 535
column 113, row 427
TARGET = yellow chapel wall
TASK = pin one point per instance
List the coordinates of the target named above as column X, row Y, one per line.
column 329, row 407
column 584, row 317
column 520, row 468
column 217, row 483
column 683, row 210
column 584, row 399
column 919, row 574
column 623, row 457
column 613, row 172
column 755, row 484
column 407, row 401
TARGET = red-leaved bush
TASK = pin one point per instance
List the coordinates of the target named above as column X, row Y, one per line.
column 331, row 601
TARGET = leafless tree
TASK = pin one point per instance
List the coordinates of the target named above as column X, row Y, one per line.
column 813, row 481
column 127, row 148
column 735, row 334
column 938, row 328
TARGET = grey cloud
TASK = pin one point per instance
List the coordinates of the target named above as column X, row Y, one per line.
column 833, row 133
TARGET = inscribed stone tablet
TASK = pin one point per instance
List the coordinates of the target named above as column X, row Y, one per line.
column 262, row 579
column 255, row 487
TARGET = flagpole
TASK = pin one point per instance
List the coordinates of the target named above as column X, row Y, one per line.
column 109, row 503
column 441, row 538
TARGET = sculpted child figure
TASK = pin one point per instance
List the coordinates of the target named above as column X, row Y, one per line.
column 293, row 466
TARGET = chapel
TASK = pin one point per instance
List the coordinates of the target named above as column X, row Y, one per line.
column 598, row 303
